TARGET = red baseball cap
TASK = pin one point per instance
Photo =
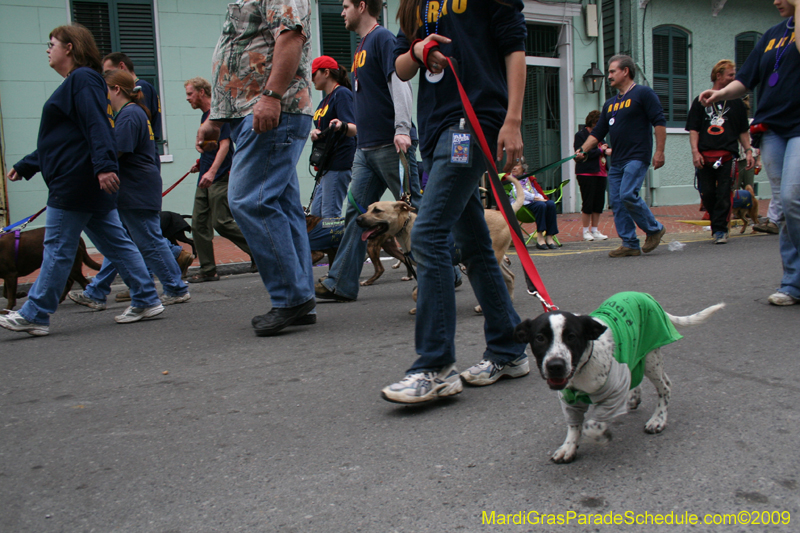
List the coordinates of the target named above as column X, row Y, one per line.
column 324, row 62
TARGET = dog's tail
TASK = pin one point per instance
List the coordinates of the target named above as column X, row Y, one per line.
column 86, row 258
column 520, row 200
column 697, row 318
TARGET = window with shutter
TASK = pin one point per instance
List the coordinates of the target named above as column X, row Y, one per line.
column 336, row 40
column 671, row 73
column 746, row 43
column 126, row 26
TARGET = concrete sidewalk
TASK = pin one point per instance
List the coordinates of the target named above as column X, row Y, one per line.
column 570, row 230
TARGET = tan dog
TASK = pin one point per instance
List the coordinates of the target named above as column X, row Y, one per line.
column 749, row 212
column 397, row 219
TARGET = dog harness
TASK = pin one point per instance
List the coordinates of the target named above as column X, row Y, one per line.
column 639, row 325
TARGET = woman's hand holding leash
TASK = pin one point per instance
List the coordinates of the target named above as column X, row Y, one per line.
column 436, row 60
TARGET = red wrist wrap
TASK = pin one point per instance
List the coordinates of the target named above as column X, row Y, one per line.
column 413, row 55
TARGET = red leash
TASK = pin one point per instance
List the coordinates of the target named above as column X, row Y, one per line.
column 175, row 184
column 535, row 284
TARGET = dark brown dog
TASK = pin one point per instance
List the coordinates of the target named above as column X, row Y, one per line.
column 745, row 213
column 28, row 259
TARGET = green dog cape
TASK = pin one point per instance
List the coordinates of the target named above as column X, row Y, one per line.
column 639, row 325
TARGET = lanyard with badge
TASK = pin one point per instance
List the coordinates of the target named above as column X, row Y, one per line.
column 773, row 78
column 356, row 60
column 618, row 106
column 430, row 76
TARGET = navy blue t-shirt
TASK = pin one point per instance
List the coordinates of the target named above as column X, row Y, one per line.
column 724, row 137
column 76, row 143
column 338, row 104
column 483, row 33
column 631, row 135
column 778, row 106
column 373, row 63
column 207, row 158
column 139, row 178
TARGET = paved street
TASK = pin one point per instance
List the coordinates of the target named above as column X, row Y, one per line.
column 191, row 423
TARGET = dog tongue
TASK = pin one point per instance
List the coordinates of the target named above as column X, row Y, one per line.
column 367, row 233
column 556, row 382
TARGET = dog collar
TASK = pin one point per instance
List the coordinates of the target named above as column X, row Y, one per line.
column 405, row 225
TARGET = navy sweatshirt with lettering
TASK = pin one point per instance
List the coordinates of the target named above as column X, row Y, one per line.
column 483, row 32
column 76, row 143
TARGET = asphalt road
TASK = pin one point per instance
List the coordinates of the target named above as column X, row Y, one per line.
column 191, row 423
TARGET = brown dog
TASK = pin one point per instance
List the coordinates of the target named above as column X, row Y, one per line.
column 23, row 259
column 748, row 211
column 397, row 219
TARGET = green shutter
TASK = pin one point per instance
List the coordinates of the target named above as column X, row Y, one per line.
column 671, row 73
column 745, row 44
column 336, row 40
column 95, row 16
column 137, row 38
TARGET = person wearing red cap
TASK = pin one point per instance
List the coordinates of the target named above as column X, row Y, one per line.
column 336, row 111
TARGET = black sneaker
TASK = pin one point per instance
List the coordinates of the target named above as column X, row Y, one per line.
column 281, row 317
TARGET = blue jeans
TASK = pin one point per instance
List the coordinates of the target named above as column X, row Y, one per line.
column 62, row 234
column 373, row 172
column 144, row 227
column 451, row 204
column 781, row 158
column 264, row 196
column 630, row 210
column 545, row 215
column 330, row 194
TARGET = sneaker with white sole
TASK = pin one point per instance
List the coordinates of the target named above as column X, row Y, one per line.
column 424, row 386
column 599, row 236
column 587, row 236
column 487, row 372
column 169, row 300
column 781, row 298
column 135, row 314
column 80, row 298
column 15, row 322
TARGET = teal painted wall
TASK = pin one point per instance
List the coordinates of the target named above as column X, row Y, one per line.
column 712, row 38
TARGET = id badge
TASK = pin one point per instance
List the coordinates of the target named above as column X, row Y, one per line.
column 460, row 147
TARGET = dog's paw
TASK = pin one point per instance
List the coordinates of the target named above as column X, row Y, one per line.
column 656, row 424
column 397, row 265
column 634, row 398
column 597, row 432
column 478, row 309
column 406, row 278
column 565, row 454
column 412, row 311
column 365, row 283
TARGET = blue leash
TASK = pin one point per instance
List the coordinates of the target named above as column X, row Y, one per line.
column 21, row 223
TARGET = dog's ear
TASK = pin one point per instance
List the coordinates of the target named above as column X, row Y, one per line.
column 592, row 328
column 402, row 206
column 521, row 332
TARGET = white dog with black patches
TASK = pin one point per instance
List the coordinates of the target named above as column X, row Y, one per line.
column 599, row 360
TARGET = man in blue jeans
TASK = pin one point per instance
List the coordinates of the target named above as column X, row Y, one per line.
column 628, row 120
column 382, row 105
column 261, row 85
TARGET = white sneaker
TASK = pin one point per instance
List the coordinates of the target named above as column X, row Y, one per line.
column 487, row 372
column 135, row 314
column 587, row 236
column 781, row 298
column 169, row 300
column 424, row 386
column 599, row 236
column 15, row 322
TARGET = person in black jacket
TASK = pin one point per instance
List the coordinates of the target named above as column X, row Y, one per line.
column 591, row 175
column 76, row 154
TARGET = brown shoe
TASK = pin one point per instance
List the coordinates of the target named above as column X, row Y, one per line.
column 124, row 296
column 767, row 227
column 624, row 251
column 185, row 260
column 201, row 278
column 653, row 240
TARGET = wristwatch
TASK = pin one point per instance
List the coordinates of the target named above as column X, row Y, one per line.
column 273, row 94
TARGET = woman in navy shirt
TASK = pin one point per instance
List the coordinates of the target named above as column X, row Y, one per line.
column 139, row 201
column 487, row 38
column 336, row 110
column 774, row 67
column 76, row 155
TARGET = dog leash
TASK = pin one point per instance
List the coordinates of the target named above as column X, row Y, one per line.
column 551, row 166
column 163, row 194
column 534, row 281
column 20, row 224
